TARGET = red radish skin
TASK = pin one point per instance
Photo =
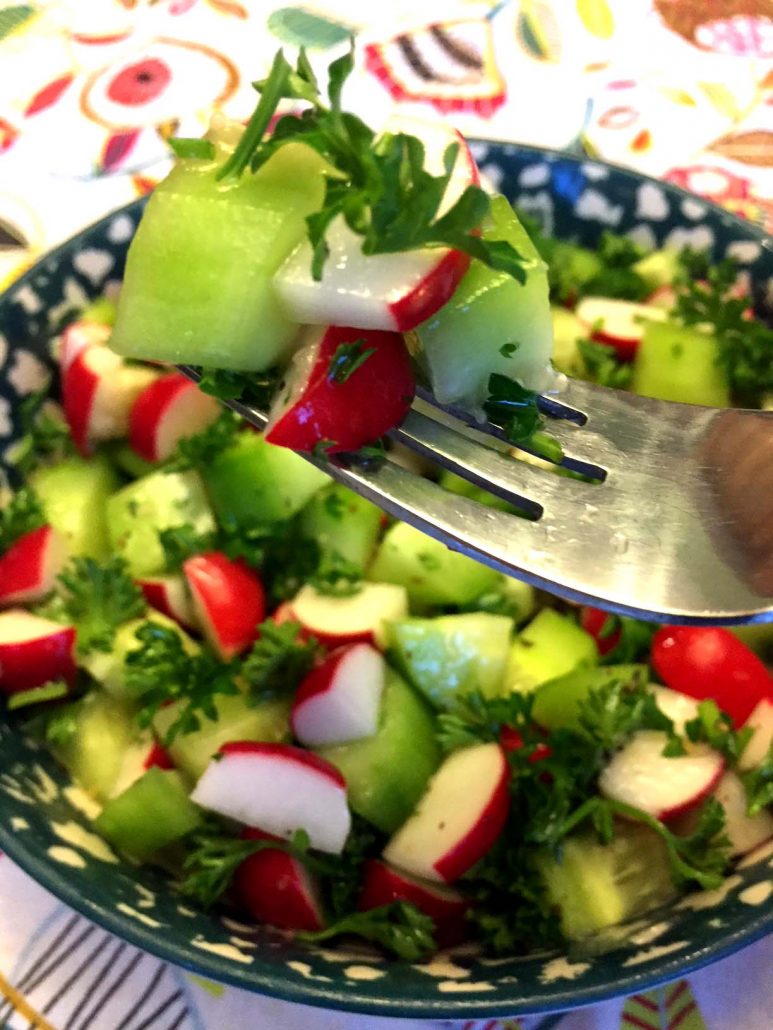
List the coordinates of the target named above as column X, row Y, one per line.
column 98, row 391
column 169, row 595
column 760, row 722
column 459, row 818
column 29, row 567
column 34, row 650
column 314, row 408
column 158, row 757
column 275, row 888
column 640, row 775
column 382, row 291
column 595, row 622
column 280, row 789
column 382, row 885
column 167, row 411
column 617, row 323
column 711, row 662
column 228, row 600
column 339, row 699
column 362, row 618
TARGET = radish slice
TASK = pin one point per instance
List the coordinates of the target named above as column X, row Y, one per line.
column 360, row 618
column 617, row 323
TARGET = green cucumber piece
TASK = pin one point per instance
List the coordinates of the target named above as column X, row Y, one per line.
column 464, row 488
column 343, row 524
column 557, row 702
column 430, row 572
column 463, row 343
column 387, row 773
column 139, row 511
column 197, row 286
column 101, row 310
column 92, row 737
column 129, row 462
column 453, row 654
column 108, row 668
column 597, row 885
column 550, row 646
column 659, row 268
column 74, row 496
column 154, row 812
column 254, row 481
column 567, row 330
column 571, row 265
column 267, row 721
column 679, row 363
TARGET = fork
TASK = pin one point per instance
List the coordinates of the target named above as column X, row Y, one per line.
column 673, row 521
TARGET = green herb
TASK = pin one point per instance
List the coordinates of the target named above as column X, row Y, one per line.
column 278, row 660
column 603, row 365
column 611, row 714
column 715, row 728
column 54, row 690
column 508, row 349
column 618, row 278
column 378, row 186
column 704, row 297
column 161, row 670
column 180, row 543
column 513, row 408
column 199, row 450
column 200, row 148
column 336, row 576
column 348, row 357
column 253, row 388
column 758, row 784
column 399, row 928
column 322, row 449
column 60, row 726
column 634, row 642
column 44, row 435
column 286, row 558
column 98, row 598
column 21, row 515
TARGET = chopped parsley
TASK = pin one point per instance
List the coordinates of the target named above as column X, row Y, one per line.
column 278, row 660
column 98, row 598
column 21, row 515
column 347, row 359
column 603, row 365
column 199, row 450
column 199, row 148
column 399, row 928
column 44, row 434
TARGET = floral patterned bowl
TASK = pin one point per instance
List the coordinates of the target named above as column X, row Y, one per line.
column 44, row 824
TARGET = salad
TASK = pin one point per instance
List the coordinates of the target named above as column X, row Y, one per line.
column 302, row 709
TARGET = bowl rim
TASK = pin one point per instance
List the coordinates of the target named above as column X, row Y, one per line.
column 345, row 996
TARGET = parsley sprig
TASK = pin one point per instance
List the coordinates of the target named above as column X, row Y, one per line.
column 44, row 435
column 22, row 514
column 399, row 928
column 278, row 660
column 378, row 185
column 98, row 598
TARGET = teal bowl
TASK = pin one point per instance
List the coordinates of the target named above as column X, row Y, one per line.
column 43, row 826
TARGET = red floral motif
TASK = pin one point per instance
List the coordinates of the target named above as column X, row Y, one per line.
column 140, row 83
column 48, row 95
column 117, row 149
column 8, row 135
column 711, row 182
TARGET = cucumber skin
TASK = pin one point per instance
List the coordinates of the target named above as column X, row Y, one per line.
column 550, row 646
column 343, row 524
column 386, row 774
column 679, row 363
column 430, row 572
column 74, row 494
column 556, row 703
column 154, row 812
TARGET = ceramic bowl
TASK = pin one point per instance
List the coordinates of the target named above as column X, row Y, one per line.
column 44, row 829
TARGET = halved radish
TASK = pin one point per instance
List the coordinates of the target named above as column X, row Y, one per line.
column 76, row 337
column 279, row 789
column 382, row 885
column 141, row 755
column 277, row 889
column 640, row 775
column 169, row 595
column 29, row 567
column 745, row 832
column 98, row 390
column 459, row 817
column 360, row 618
column 318, row 406
column 339, row 700
column 34, row 650
column 228, row 601
column 167, row 411
column 677, row 707
column 617, row 323
column 382, row 291
column 760, row 722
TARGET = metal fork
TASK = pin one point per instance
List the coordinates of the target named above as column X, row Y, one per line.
column 677, row 525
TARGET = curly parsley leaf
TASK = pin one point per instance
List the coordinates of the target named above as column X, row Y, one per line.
column 399, row 928
column 22, row 514
column 180, row 543
column 44, row 434
column 336, row 576
column 603, row 365
column 714, row 727
column 348, row 357
column 256, row 388
column 278, row 660
column 513, row 408
column 161, row 670
column 199, row 450
column 758, row 784
column 98, row 598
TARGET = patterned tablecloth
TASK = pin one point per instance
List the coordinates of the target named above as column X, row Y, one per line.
column 90, row 90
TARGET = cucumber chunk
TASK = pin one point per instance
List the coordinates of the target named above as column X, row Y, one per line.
column 557, row 702
column 253, row 481
column 139, row 511
column 550, row 646
column 74, row 496
column 343, row 524
column 659, row 268
column 268, row 721
column 679, row 363
column 387, row 773
column 462, row 343
column 92, row 738
column 597, row 885
column 197, row 287
column 154, row 812
column 453, row 654
column 430, row 572
column 567, row 330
